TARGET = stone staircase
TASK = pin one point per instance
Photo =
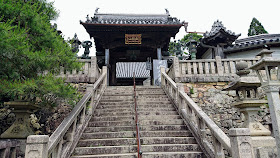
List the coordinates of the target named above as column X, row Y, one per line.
column 111, row 131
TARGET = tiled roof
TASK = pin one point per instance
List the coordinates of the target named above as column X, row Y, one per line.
column 138, row 19
column 126, row 69
column 216, row 27
column 254, row 41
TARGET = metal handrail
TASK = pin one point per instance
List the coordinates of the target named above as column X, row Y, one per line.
column 136, row 120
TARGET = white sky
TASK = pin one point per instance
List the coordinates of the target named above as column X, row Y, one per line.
column 200, row 14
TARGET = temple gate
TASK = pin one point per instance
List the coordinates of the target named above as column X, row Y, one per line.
column 128, row 38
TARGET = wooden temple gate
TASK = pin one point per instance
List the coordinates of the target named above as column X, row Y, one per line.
column 123, row 38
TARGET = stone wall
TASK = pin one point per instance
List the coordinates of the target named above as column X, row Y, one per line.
column 217, row 105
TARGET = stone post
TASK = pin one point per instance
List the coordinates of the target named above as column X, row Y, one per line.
column 107, row 62
column 159, row 53
column 90, row 89
column 37, row 146
column 176, row 67
column 104, row 70
column 272, row 92
column 220, row 67
column 162, row 70
column 240, row 141
column 93, row 70
column 180, row 87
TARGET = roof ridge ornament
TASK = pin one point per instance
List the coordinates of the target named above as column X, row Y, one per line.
column 216, row 27
column 167, row 12
column 96, row 10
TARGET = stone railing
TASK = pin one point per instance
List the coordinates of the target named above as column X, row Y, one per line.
column 206, row 70
column 9, row 148
column 64, row 139
column 209, row 136
column 89, row 73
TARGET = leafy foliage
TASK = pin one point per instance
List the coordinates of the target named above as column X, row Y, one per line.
column 176, row 46
column 193, row 36
column 256, row 28
column 29, row 46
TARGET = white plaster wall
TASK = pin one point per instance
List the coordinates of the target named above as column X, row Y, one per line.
column 252, row 53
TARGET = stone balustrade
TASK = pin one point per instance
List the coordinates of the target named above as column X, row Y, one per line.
column 64, row 139
column 203, row 128
column 89, row 73
column 9, row 148
column 206, row 70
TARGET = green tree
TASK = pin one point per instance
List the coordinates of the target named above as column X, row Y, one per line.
column 176, row 46
column 29, row 46
column 256, row 28
column 190, row 36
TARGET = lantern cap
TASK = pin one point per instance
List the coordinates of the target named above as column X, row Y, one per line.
column 266, row 61
column 244, row 82
column 265, row 53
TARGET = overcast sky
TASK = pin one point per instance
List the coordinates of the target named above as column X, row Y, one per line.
column 200, row 14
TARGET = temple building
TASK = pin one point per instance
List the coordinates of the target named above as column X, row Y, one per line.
column 224, row 43
column 126, row 41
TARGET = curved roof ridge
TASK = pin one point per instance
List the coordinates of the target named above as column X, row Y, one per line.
column 258, row 37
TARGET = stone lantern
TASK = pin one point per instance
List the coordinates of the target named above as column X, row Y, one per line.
column 268, row 71
column 192, row 48
column 248, row 100
column 22, row 127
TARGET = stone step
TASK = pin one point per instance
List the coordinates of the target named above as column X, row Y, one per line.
column 115, row 103
column 109, row 129
column 115, row 106
column 142, row 113
column 143, row 96
column 131, row 109
column 126, row 155
column 152, row 99
column 142, row 102
column 155, row 109
column 163, row 128
column 105, row 150
column 165, row 134
column 158, row 117
column 155, row 105
column 133, row 149
column 118, row 93
column 144, row 93
column 114, row 110
column 110, row 123
column 182, row 154
column 159, row 102
column 130, row 134
column 132, row 128
column 170, row 147
column 148, row 88
column 113, row 114
column 116, row 100
column 110, row 97
column 132, row 141
column 100, row 135
column 113, row 118
column 106, row 142
column 167, row 140
column 129, row 93
column 162, row 122
column 190, row 154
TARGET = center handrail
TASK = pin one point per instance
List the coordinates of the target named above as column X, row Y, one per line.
column 136, row 121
